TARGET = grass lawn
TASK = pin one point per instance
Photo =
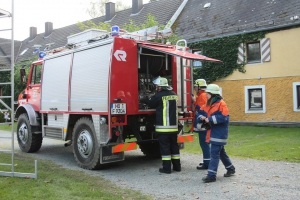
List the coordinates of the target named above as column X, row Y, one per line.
column 6, row 127
column 55, row 182
column 262, row 143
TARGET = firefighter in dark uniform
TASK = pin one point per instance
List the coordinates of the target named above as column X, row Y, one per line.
column 165, row 102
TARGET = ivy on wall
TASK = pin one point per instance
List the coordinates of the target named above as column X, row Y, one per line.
column 226, row 50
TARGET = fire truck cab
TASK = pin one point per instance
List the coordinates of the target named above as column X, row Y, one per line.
column 89, row 94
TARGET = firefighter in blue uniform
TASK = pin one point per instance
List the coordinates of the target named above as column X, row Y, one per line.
column 165, row 102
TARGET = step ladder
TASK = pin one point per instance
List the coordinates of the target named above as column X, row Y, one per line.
column 6, row 67
column 185, row 85
column 185, row 75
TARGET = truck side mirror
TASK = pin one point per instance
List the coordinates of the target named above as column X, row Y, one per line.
column 22, row 75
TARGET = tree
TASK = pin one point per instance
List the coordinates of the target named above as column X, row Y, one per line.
column 130, row 27
column 97, row 8
column 18, row 85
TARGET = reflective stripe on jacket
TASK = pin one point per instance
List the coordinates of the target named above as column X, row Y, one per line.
column 218, row 116
column 165, row 103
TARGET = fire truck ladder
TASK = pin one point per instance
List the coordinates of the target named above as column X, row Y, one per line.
column 186, row 76
column 5, row 60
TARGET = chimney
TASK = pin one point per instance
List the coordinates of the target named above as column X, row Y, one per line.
column 137, row 5
column 48, row 28
column 32, row 33
column 109, row 11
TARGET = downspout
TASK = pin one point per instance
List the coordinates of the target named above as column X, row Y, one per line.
column 176, row 14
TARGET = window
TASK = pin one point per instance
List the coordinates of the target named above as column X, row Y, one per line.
column 296, row 95
column 255, row 100
column 36, row 74
column 197, row 63
column 221, row 91
column 253, row 52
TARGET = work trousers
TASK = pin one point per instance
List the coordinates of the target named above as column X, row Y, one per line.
column 218, row 153
column 205, row 147
column 169, row 150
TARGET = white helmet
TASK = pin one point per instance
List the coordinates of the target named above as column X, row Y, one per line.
column 213, row 89
column 200, row 83
column 160, row 81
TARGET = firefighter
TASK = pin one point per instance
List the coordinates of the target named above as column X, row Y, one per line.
column 165, row 102
column 215, row 112
column 200, row 101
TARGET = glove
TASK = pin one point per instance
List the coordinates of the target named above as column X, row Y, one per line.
column 206, row 126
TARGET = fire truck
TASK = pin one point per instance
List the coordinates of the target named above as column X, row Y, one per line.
column 89, row 94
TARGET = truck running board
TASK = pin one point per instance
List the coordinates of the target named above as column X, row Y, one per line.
column 185, row 138
column 133, row 145
column 124, row 147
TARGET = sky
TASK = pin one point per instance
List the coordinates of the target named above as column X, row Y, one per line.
column 34, row 13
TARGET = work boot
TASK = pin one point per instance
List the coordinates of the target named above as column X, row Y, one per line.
column 229, row 173
column 177, row 169
column 176, row 165
column 208, row 179
column 201, row 166
column 162, row 170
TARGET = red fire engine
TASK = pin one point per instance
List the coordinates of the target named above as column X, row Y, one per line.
column 88, row 94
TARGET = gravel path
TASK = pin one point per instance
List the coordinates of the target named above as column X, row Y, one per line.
column 253, row 180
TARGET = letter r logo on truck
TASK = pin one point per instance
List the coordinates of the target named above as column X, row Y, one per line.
column 120, row 55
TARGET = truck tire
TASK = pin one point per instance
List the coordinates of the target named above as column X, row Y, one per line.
column 27, row 140
column 150, row 149
column 86, row 149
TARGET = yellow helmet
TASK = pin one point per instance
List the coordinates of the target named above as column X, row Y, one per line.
column 160, row 81
column 200, row 83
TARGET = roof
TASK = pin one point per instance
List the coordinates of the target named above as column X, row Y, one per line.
column 59, row 36
column 227, row 17
column 5, row 52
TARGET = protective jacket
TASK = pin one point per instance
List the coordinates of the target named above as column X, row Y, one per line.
column 200, row 101
column 218, row 116
column 165, row 103
column 201, row 98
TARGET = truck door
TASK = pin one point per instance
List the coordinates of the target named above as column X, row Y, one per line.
column 34, row 86
column 183, row 73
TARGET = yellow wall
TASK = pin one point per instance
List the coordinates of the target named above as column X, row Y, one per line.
column 285, row 58
column 279, row 100
column 277, row 75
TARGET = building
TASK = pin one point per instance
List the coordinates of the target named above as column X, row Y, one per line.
column 269, row 90
column 55, row 38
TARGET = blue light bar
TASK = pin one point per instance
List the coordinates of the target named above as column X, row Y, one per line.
column 115, row 30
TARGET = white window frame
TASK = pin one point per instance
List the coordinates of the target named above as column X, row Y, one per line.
column 295, row 84
column 263, row 91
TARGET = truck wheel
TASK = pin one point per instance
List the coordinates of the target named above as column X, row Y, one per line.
column 151, row 149
column 28, row 141
column 86, row 149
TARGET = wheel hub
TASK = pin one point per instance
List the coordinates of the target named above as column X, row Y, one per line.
column 23, row 133
column 85, row 144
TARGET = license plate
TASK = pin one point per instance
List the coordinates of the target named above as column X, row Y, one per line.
column 118, row 108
